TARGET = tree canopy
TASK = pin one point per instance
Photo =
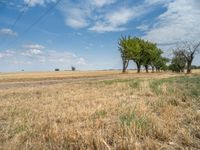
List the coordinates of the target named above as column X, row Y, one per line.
column 143, row 53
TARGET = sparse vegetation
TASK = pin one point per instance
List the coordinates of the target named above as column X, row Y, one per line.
column 106, row 110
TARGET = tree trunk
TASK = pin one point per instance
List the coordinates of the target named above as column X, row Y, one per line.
column 146, row 68
column 189, row 66
column 153, row 69
column 138, row 67
column 125, row 65
column 156, row 69
column 124, row 70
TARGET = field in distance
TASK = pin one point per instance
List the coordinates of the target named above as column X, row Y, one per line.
column 99, row 110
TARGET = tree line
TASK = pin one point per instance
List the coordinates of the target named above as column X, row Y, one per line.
column 147, row 54
column 143, row 53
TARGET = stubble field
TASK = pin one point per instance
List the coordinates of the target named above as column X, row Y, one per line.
column 99, row 110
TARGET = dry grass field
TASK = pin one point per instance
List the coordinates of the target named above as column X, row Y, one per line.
column 99, row 110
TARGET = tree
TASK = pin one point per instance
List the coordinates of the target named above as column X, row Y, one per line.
column 124, row 53
column 130, row 50
column 135, row 49
column 160, row 63
column 148, row 54
column 157, row 61
column 73, row 68
column 188, row 50
column 141, row 52
column 178, row 62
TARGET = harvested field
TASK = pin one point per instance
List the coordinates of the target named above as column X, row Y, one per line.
column 99, row 110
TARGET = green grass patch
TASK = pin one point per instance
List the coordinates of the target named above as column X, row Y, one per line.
column 156, row 86
column 109, row 82
column 101, row 113
column 141, row 122
column 127, row 119
column 134, row 84
column 188, row 85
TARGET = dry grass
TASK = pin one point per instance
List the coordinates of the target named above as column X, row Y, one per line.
column 99, row 110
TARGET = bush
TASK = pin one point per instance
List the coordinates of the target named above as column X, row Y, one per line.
column 73, row 68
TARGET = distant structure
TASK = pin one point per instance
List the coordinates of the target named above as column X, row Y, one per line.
column 73, row 68
column 57, row 69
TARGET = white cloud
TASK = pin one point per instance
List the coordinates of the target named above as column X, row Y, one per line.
column 121, row 16
column 33, row 49
column 6, row 54
column 143, row 27
column 1, row 55
column 155, row 2
column 115, row 20
column 181, row 21
column 21, row 62
column 101, row 3
column 8, row 32
column 34, row 46
column 75, row 16
column 33, row 3
column 101, row 28
column 40, row 57
column 95, row 15
column 36, row 51
column 81, row 61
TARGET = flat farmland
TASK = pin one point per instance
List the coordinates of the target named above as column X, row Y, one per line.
column 99, row 110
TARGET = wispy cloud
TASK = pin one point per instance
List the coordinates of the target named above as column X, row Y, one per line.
column 101, row 3
column 34, row 46
column 7, row 32
column 38, row 55
column 32, row 3
column 6, row 54
column 143, row 27
column 115, row 20
column 156, row 2
column 75, row 17
column 99, row 15
column 181, row 21
column 94, row 16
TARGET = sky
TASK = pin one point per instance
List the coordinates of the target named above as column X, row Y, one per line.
column 41, row 35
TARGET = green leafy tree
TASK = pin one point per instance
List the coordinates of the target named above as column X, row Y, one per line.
column 160, row 64
column 148, row 54
column 124, row 52
column 156, row 59
column 143, row 53
column 135, row 48
column 130, row 50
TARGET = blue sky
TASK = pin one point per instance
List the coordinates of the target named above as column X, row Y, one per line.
column 84, row 33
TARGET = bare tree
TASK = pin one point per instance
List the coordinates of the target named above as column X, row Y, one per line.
column 188, row 50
